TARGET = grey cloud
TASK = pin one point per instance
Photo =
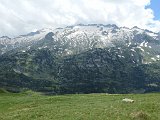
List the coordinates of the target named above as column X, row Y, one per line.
column 22, row 16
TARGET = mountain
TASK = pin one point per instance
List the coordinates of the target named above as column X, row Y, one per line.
column 82, row 59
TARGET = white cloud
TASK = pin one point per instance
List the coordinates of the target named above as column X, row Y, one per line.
column 22, row 16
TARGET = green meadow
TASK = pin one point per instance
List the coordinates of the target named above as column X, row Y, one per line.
column 35, row 106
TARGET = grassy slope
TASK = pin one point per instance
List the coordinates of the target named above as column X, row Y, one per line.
column 78, row 107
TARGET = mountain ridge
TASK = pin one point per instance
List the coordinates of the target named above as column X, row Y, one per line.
column 82, row 59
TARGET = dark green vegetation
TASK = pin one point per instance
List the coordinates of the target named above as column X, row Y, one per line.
column 29, row 105
column 108, row 70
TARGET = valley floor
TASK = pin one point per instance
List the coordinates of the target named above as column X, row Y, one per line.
column 34, row 106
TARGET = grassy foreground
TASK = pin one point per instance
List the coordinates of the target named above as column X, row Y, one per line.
column 33, row 106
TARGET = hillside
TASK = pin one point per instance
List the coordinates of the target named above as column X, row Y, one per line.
column 92, row 58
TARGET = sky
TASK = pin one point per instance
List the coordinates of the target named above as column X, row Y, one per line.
column 23, row 16
column 155, row 6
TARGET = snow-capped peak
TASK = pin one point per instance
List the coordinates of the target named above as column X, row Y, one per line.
column 83, row 36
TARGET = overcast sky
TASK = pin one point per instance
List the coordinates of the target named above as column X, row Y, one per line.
column 23, row 16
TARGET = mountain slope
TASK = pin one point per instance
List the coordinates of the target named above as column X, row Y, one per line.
column 82, row 59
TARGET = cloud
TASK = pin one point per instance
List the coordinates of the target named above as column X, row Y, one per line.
column 22, row 16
